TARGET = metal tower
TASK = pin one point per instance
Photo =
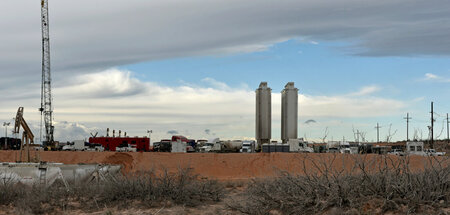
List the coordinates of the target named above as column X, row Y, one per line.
column 46, row 89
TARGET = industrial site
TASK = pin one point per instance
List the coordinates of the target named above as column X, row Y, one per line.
column 275, row 156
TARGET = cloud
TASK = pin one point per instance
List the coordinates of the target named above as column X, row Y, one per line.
column 125, row 32
column 310, row 121
column 433, row 77
column 172, row 132
column 207, row 131
column 215, row 84
column 109, row 83
column 136, row 106
column 366, row 91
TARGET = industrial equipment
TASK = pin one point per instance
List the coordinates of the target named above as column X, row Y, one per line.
column 27, row 135
column 46, row 92
column 142, row 144
column 289, row 112
column 263, row 114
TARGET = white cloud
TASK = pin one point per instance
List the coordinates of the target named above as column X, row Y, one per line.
column 115, row 99
column 110, row 83
column 433, row 77
column 216, row 84
column 366, row 91
column 430, row 76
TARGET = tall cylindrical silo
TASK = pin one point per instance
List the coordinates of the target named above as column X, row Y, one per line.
column 289, row 112
column 263, row 114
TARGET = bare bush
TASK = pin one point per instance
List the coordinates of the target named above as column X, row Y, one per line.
column 137, row 190
column 326, row 187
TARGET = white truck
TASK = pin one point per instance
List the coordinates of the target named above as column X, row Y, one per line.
column 95, row 147
column 397, row 152
column 77, row 145
column 127, row 148
column 433, row 152
column 211, row 147
column 298, row 145
column 248, row 147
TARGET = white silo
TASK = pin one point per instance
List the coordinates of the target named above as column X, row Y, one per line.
column 263, row 114
column 289, row 112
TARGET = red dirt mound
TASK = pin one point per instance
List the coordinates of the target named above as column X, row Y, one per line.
column 229, row 166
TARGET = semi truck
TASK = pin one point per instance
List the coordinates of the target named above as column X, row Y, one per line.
column 77, row 145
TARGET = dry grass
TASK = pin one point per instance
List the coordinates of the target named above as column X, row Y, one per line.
column 132, row 191
column 327, row 185
column 389, row 186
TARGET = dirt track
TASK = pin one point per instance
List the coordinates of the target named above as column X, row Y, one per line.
column 220, row 166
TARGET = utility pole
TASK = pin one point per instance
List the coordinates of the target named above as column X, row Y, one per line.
column 378, row 133
column 407, row 125
column 448, row 139
column 149, row 132
column 6, row 124
column 432, row 125
column 357, row 135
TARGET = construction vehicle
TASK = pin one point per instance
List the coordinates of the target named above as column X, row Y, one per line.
column 27, row 134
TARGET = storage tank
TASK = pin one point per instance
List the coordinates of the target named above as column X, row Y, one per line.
column 232, row 145
column 263, row 114
column 289, row 112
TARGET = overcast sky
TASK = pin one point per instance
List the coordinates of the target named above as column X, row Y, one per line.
column 191, row 67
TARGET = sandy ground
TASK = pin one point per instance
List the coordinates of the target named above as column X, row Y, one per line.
column 231, row 166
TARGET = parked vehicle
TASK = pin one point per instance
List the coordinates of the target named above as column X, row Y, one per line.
column 248, row 147
column 231, row 146
column 397, row 152
column 175, row 138
column 126, row 148
column 95, row 147
column 211, row 147
column 77, row 145
column 432, row 152
column 299, row 145
column 333, row 150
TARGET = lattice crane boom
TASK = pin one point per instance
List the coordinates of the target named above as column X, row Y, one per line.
column 46, row 92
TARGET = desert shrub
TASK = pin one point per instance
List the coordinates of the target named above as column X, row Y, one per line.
column 182, row 187
column 324, row 187
column 9, row 193
column 141, row 189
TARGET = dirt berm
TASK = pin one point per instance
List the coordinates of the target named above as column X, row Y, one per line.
column 233, row 166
